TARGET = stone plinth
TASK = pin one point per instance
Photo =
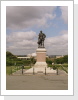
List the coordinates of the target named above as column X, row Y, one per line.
column 40, row 64
column 41, row 55
column 41, row 58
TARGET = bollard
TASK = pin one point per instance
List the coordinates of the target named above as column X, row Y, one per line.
column 45, row 70
column 33, row 71
column 22, row 69
column 57, row 71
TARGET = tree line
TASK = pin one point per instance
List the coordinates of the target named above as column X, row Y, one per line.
column 11, row 59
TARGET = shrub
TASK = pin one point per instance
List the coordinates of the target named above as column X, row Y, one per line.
column 65, row 65
column 18, row 63
column 49, row 65
column 10, row 55
column 54, row 67
column 65, row 58
column 48, row 61
column 8, row 63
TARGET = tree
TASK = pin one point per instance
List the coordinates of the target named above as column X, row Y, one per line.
column 9, row 55
column 58, row 61
column 61, row 60
column 65, row 58
column 48, row 61
column 33, row 61
column 10, row 58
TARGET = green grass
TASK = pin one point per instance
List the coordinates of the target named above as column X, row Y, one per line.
column 60, row 67
column 27, row 67
column 12, row 69
column 65, row 69
column 8, row 70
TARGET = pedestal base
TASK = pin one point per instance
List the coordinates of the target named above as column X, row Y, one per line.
column 40, row 65
column 38, row 70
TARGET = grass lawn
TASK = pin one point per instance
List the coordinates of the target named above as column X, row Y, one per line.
column 8, row 70
column 60, row 67
column 12, row 69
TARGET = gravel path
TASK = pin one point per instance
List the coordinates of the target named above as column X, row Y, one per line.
column 37, row 82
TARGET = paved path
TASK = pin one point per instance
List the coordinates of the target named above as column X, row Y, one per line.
column 37, row 82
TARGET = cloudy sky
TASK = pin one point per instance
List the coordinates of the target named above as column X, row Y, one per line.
column 23, row 25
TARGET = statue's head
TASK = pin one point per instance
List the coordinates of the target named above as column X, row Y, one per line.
column 40, row 31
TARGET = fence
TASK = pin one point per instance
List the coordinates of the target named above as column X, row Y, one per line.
column 11, row 70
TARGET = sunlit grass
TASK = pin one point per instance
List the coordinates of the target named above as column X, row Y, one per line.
column 12, row 69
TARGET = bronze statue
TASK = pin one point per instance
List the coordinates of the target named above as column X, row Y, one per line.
column 41, row 38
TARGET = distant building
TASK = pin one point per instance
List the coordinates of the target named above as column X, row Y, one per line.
column 29, row 55
column 47, row 56
column 55, row 56
column 59, row 56
column 27, row 58
column 52, row 56
column 33, row 54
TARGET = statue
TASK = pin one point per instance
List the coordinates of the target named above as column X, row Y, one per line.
column 41, row 38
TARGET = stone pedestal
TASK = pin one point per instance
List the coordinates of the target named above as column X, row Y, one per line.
column 41, row 58
column 41, row 55
column 40, row 65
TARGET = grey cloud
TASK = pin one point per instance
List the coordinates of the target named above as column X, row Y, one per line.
column 20, row 36
column 22, row 42
column 22, row 17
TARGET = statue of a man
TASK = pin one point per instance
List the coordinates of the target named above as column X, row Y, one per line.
column 41, row 38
